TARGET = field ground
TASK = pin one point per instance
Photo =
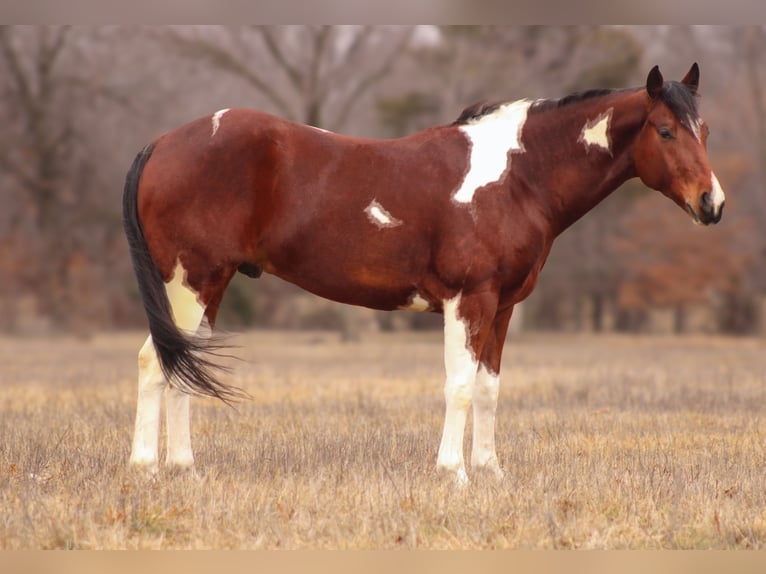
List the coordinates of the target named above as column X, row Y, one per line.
column 607, row 442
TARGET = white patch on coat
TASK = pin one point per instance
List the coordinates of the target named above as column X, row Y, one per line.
column 217, row 120
column 461, row 366
column 492, row 138
column 184, row 301
column 416, row 303
column 378, row 215
column 596, row 132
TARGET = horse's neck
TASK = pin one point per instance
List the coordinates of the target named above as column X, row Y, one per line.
column 587, row 175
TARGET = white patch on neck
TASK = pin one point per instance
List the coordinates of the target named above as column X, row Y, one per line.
column 380, row 217
column 596, row 132
column 217, row 120
column 492, row 138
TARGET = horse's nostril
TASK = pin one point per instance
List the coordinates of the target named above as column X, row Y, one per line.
column 705, row 198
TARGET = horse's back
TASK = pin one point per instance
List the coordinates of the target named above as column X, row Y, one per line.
column 351, row 219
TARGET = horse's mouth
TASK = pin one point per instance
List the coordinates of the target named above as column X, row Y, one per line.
column 706, row 217
column 693, row 214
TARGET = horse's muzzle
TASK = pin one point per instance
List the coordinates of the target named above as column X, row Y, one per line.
column 710, row 210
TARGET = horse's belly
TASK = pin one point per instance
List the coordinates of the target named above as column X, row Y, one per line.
column 363, row 289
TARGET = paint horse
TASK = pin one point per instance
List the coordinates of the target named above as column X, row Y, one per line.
column 456, row 219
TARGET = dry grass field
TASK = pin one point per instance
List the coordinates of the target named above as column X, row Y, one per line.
column 607, row 442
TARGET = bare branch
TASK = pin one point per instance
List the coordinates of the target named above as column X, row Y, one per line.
column 12, row 59
column 371, row 79
column 216, row 55
column 355, row 47
column 24, row 178
column 266, row 33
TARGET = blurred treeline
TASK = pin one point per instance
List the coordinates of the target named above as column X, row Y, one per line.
column 77, row 103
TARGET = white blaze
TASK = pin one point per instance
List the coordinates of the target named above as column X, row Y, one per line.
column 492, row 137
column 717, row 195
column 596, row 132
column 217, row 120
column 377, row 214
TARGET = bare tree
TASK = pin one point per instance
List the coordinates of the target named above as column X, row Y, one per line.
column 53, row 209
column 313, row 74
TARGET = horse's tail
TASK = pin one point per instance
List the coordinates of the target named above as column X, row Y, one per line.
column 183, row 357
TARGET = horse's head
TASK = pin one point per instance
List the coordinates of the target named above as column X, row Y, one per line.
column 670, row 152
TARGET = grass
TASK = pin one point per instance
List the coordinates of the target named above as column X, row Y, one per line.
column 607, row 442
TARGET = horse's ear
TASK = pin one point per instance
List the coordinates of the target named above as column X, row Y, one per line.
column 654, row 83
column 692, row 77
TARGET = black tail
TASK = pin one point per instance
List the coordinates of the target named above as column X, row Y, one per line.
column 183, row 358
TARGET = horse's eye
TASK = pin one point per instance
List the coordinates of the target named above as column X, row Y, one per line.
column 665, row 133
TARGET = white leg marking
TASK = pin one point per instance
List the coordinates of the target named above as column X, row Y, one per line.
column 187, row 313
column 379, row 216
column 596, row 132
column 492, row 137
column 151, row 383
column 217, row 120
column 717, row 196
column 179, row 430
column 461, row 366
column 416, row 303
column 485, row 393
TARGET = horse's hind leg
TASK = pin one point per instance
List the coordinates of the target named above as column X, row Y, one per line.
column 187, row 315
column 151, row 383
column 177, row 404
column 180, row 453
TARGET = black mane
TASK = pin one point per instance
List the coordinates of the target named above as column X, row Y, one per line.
column 679, row 97
column 542, row 105
column 682, row 101
column 476, row 111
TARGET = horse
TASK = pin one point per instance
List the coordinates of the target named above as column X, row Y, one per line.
column 456, row 219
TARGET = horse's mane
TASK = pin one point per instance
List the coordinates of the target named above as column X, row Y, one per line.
column 682, row 101
column 477, row 111
column 679, row 97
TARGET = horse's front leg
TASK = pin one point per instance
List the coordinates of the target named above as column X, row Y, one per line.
column 467, row 321
column 485, row 395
